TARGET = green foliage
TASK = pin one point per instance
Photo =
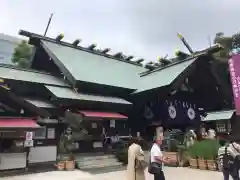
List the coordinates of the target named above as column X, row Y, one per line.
column 206, row 149
column 183, row 155
column 122, row 155
column 228, row 42
column 22, row 55
column 173, row 145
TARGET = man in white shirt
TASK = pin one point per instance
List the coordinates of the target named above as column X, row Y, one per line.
column 156, row 155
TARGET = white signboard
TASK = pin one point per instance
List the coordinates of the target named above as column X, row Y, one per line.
column 28, row 143
column 29, row 136
column 97, row 145
column 112, row 123
column 138, row 134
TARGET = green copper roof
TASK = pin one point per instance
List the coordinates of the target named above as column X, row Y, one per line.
column 40, row 103
column 89, row 67
column 30, row 76
column 66, row 93
column 219, row 115
column 162, row 77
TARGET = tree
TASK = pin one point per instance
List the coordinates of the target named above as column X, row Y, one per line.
column 226, row 42
column 230, row 43
column 22, row 55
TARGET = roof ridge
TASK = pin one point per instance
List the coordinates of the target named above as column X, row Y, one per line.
column 221, row 111
column 67, row 44
column 196, row 54
column 166, row 66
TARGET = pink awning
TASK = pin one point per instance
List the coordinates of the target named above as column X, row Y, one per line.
column 18, row 123
column 109, row 115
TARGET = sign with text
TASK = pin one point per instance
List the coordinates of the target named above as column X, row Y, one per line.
column 234, row 69
column 28, row 143
column 29, row 136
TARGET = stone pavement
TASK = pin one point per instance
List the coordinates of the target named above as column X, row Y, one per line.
column 171, row 173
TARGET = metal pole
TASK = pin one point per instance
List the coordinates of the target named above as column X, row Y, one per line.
column 49, row 22
column 185, row 43
column 209, row 41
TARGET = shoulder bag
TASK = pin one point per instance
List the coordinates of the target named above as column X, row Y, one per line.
column 154, row 167
column 227, row 160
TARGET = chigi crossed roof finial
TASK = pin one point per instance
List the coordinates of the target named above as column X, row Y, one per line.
column 106, row 50
column 75, row 44
column 59, row 37
column 92, row 47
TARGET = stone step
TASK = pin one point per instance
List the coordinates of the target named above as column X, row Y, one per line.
column 96, row 161
column 91, row 158
column 99, row 165
column 108, row 169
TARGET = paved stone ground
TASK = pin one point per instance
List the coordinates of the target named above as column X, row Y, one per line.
column 171, row 173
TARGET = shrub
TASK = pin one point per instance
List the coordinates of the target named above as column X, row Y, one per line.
column 205, row 149
column 122, row 155
column 121, row 149
column 183, row 155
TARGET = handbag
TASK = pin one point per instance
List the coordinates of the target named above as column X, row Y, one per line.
column 154, row 167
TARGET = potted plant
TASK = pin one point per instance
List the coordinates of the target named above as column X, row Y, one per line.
column 183, row 157
column 205, row 151
column 212, row 154
column 70, row 163
column 193, row 153
column 172, row 151
column 65, row 157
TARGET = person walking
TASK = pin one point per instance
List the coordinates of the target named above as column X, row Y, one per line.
column 228, row 158
column 136, row 164
column 157, row 160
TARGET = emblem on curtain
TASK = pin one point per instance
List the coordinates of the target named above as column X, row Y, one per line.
column 191, row 113
column 148, row 113
column 172, row 112
column 183, row 104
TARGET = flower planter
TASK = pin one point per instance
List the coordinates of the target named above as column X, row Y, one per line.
column 202, row 164
column 69, row 165
column 212, row 165
column 60, row 165
column 193, row 163
column 173, row 156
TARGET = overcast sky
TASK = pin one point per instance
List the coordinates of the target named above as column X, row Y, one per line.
column 143, row 28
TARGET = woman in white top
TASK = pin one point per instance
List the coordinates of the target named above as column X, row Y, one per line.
column 156, row 155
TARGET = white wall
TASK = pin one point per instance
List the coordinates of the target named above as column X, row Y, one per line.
column 42, row 154
column 12, row 161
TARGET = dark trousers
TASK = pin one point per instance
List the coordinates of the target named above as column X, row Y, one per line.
column 234, row 172
column 160, row 176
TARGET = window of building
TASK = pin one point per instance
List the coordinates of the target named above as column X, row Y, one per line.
column 40, row 133
column 221, row 127
column 51, row 133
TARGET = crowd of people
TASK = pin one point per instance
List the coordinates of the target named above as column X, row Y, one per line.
column 228, row 158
